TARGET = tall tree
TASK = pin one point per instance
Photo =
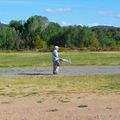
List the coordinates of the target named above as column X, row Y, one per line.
column 34, row 26
column 8, row 38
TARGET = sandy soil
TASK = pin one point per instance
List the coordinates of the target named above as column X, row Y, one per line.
column 82, row 106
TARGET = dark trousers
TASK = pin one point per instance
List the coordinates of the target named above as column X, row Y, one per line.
column 56, row 66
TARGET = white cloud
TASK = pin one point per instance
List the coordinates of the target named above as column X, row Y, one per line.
column 92, row 24
column 95, row 24
column 63, row 23
column 58, row 10
column 111, row 14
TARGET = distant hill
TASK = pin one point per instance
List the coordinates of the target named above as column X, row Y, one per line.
column 104, row 27
column 3, row 25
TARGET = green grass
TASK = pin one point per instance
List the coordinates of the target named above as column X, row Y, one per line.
column 8, row 102
column 44, row 59
column 40, row 101
column 30, row 86
column 24, row 59
column 83, row 106
column 53, row 110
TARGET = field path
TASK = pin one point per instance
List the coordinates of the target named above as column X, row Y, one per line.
column 64, row 71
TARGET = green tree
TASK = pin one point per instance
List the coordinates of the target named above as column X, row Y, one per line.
column 38, row 42
column 18, row 25
column 51, row 33
column 8, row 38
column 34, row 26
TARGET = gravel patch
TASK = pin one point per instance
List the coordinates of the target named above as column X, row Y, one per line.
column 64, row 71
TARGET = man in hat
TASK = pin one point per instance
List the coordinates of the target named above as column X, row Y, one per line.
column 55, row 60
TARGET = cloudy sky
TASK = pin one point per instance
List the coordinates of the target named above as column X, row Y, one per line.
column 64, row 12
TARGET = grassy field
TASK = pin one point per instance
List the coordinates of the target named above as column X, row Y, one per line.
column 19, row 94
column 44, row 59
column 59, row 85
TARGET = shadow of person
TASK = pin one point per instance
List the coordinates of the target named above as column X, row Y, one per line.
column 35, row 74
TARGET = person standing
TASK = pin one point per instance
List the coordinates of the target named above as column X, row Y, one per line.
column 55, row 59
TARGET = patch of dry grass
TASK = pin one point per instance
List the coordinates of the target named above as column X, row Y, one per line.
column 29, row 86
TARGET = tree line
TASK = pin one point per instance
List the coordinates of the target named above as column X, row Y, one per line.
column 39, row 33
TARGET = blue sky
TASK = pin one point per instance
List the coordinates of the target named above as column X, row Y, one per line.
column 64, row 12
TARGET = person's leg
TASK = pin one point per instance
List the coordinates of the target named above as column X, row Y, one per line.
column 56, row 67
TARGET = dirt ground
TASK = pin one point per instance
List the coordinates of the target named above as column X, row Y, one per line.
column 83, row 106
column 64, row 71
